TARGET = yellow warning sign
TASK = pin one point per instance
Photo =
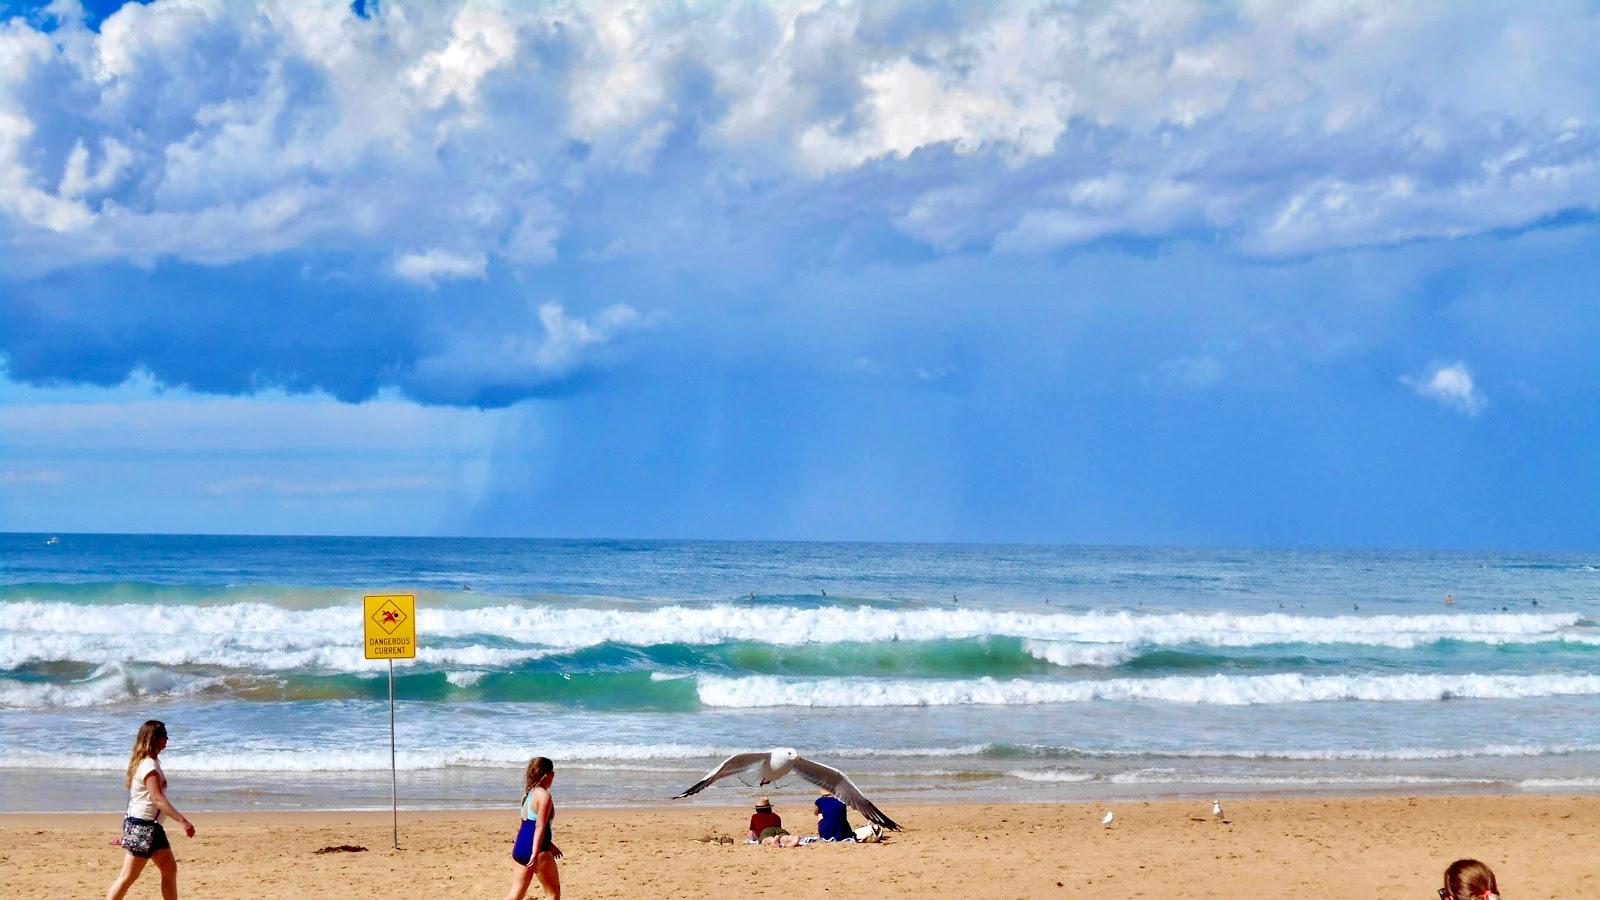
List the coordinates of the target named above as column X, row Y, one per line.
column 390, row 626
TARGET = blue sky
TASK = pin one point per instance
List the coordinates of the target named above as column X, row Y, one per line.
column 1181, row 273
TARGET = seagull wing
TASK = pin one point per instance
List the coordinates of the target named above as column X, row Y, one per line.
column 843, row 788
column 733, row 765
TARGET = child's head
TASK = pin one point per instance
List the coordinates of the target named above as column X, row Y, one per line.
column 538, row 768
column 1468, row 879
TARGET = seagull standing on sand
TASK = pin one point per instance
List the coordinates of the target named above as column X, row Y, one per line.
column 1216, row 810
column 1109, row 818
column 779, row 764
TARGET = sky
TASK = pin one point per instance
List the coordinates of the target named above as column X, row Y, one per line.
column 1198, row 273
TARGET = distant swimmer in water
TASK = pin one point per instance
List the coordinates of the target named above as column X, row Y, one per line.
column 1355, row 606
column 1449, row 600
column 824, row 591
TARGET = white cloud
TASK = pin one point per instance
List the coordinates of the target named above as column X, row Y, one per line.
column 430, row 266
column 215, row 132
column 471, row 368
column 1451, row 386
column 480, row 41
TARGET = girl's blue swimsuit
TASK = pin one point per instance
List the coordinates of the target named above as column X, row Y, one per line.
column 522, row 848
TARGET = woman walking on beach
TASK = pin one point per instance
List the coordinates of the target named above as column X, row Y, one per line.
column 535, row 851
column 143, row 837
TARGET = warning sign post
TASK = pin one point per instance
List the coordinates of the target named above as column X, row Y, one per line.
column 389, row 626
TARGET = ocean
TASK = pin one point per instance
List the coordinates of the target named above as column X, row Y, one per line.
column 1010, row 673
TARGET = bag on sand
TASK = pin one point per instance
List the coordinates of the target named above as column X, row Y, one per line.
column 869, row 834
column 138, row 835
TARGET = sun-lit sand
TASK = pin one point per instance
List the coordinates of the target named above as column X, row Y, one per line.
column 1380, row 847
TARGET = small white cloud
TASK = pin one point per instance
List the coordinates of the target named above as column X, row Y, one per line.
column 525, row 357
column 566, row 337
column 431, row 266
column 1450, row 385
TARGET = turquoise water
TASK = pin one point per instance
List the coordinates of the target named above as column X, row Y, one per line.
column 924, row 670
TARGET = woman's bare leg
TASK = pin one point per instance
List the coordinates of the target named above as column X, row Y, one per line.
column 549, row 875
column 168, row 864
column 520, row 881
column 131, row 867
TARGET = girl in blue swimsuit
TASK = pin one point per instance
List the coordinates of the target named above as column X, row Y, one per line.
column 538, row 815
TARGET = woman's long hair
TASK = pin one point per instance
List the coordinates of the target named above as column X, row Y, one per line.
column 151, row 733
column 538, row 768
column 1468, row 879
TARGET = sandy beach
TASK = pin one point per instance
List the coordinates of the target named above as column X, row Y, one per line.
column 1385, row 847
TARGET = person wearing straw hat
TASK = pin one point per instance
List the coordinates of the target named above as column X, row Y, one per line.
column 765, row 820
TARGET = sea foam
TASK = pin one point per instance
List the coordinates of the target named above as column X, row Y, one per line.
column 1225, row 690
column 263, row 636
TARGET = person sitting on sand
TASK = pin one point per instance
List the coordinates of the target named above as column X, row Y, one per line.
column 1468, row 879
column 832, row 822
column 144, row 840
column 764, row 822
column 538, row 816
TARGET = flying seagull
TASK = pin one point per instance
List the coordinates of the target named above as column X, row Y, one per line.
column 778, row 764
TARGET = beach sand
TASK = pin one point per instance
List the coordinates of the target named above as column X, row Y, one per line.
column 1381, row 847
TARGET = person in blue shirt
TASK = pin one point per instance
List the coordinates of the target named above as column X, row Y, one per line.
column 832, row 823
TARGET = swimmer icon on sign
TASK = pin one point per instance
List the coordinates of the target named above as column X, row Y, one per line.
column 390, row 626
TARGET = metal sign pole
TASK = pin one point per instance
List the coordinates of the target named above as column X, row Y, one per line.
column 394, row 779
column 389, row 630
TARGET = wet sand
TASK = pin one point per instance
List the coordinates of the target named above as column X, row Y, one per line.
column 1379, row 847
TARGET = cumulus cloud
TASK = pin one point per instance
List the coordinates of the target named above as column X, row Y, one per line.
column 218, row 131
column 1451, row 386
column 444, row 147
column 431, row 266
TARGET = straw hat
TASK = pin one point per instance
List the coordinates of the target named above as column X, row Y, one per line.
column 764, row 803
